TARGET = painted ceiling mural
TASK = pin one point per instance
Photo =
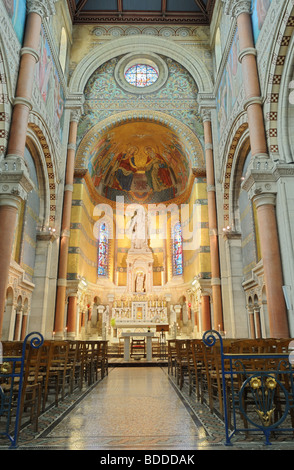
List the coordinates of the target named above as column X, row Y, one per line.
column 143, row 162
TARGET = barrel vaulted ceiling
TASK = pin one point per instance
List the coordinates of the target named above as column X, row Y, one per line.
column 158, row 11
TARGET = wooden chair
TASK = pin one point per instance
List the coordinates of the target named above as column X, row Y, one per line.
column 75, row 360
column 171, row 355
column 31, row 390
column 58, row 371
column 197, row 347
column 181, row 366
column 138, row 347
column 103, row 358
column 121, row 346
column 156, row 347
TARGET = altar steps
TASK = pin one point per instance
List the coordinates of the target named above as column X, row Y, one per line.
column 136, row 362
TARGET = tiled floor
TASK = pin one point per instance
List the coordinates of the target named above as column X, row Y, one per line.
column 134, row 408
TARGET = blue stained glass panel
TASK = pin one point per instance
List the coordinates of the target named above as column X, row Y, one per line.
column 141, row 75
column 103, row 250
column 177, row 250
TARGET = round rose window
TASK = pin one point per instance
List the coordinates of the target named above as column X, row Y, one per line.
column 141, row 75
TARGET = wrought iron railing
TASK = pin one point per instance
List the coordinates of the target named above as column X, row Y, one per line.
column 11, row 377
column 257, row 389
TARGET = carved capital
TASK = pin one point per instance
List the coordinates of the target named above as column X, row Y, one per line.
column 15, row 180
column 43, row 9
column 234, row 8
column 260, row 179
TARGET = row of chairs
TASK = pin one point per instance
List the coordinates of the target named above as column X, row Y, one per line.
column 51, row 372
column 191, row 361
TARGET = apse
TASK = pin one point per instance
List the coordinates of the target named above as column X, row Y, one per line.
column 143, row 162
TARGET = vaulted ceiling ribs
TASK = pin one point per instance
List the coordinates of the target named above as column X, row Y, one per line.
column 124, row 11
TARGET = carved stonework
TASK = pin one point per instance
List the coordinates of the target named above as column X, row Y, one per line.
column 44, row 9
column 234, row 8
column 14, row 178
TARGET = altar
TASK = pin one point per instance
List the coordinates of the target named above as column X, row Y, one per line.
column 127, row 341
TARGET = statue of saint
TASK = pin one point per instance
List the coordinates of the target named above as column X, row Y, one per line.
column 140, row 281
column 138, row 230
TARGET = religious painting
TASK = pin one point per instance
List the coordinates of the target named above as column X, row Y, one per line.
column 259, row 11
column 16, row 10
column 229, row 86
column 49, row 85
column 144, row 162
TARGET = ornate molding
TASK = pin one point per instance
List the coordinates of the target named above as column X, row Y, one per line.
column 31, row 51
column 43, row 9
column 15, row 183
column 234, row 8
column 260, row 181
column 247, row 51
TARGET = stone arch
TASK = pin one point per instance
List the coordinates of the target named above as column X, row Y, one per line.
column 194, row 147
column 4, row 108
column 50, row 172
column 237, row 132
column 277, row 88
column 140, row 44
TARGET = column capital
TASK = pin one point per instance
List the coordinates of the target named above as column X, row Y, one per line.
column 260, row 180
column 206, row 114
column 234, row 8
column 75, row 115
column 43, row 9
column 15, row 180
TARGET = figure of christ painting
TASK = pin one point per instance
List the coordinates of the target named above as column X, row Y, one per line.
column 140, row 164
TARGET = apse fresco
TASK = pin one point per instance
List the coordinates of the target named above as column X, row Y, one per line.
column 259, row 12
column 16, row 10
column 144, row 162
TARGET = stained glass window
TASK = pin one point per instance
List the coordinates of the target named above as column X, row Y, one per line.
column 103, row 243
column 141, row 75
column 177, row 241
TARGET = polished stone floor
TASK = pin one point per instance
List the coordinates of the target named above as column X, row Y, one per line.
column 134, row 408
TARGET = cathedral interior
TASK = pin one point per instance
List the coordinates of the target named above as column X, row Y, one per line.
column 175, row 116
column 146, row 189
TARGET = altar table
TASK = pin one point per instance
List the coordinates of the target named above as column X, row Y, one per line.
column 127, row 339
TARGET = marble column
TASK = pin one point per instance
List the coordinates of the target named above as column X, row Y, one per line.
column 262, row 192
column 251, row 323
column 17, row 328
column 15, row 182
column 65, row 227
column 205, row 312
column 72, row 315
column 213, row 225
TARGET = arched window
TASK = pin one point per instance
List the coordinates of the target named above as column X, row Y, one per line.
column 103, row 248
column 177, row 248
